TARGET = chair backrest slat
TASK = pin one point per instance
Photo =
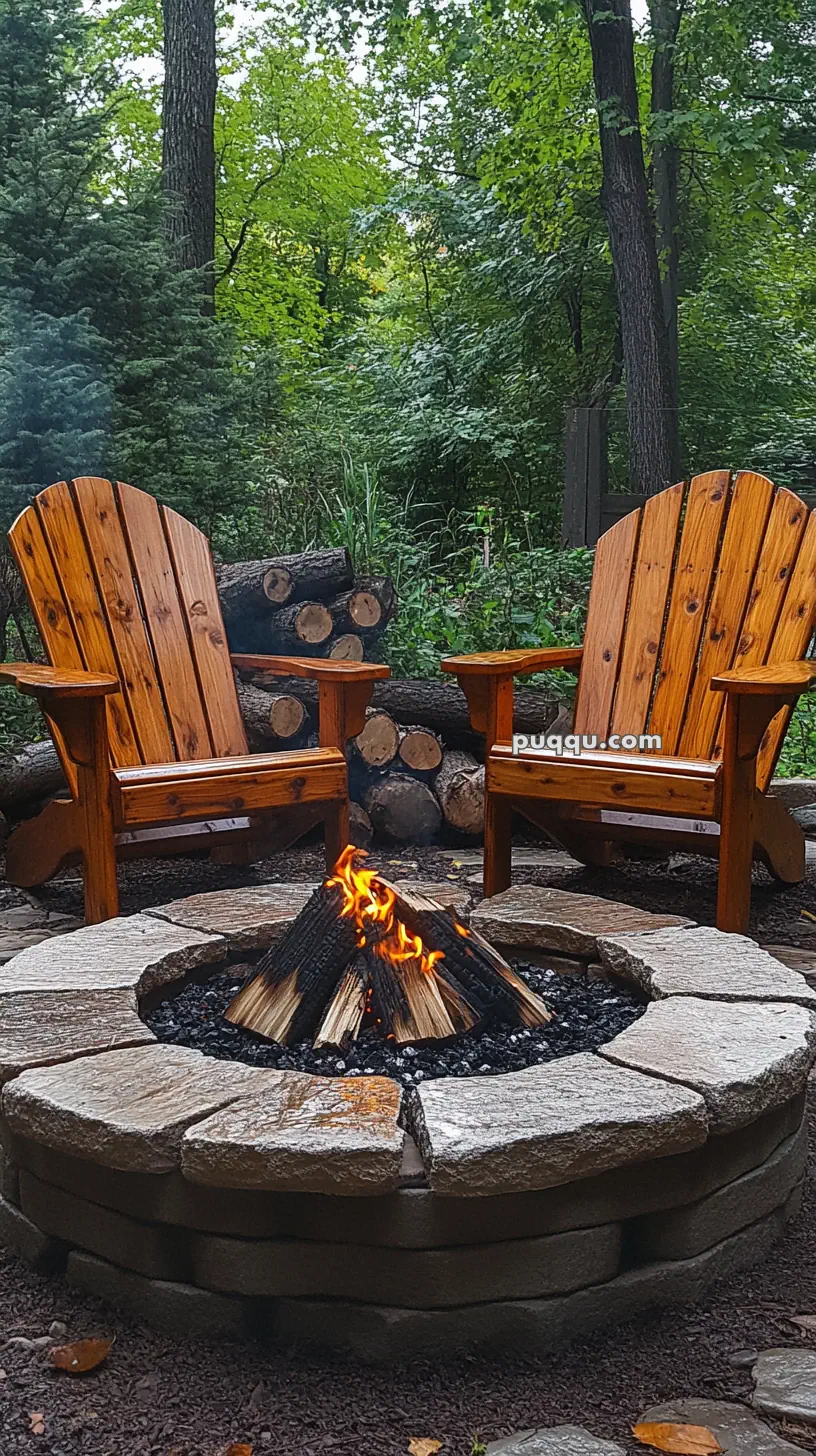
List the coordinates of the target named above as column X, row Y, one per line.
column 66, row 542
column 118, row 584
column 791, row 640
column 166, row 623
column 651, row 584
column 118, row 596
column 198, row 593
column 606, row 617
column 738, row 588
column 706, row 505
column 751, row 497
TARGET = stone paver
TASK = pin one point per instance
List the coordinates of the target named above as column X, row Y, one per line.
column 134, row 952
column 37, row 1248
column 554, row 1441
column 738, row 1430
column 411, row 1278
column 180, row 1308
column 25, row 925
column 701, row 961
column 558, row 920
column 785, row 1384
column 679, row 1233
column 253, row 918
column 149, row 1248
column 743, row 1056
column 307, row 1134
column 548, row 1125
column 38, row 1028
column 127, row 1109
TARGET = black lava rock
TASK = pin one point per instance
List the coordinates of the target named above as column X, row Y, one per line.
column 587, row 1014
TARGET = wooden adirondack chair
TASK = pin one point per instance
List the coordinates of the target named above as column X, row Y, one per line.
column 701, row 611
column 141, row 702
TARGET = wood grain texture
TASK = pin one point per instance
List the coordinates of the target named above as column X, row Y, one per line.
column 606, row 616
column 588, row 783
column 192, row 564
column 694, row 573
column 97, row 509
column 791, row 639
column 310, row 776
column 651, row 583
column 165, row 623
column 751, row 499
column 63, row 533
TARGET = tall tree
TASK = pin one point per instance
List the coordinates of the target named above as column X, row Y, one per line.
column 650, row 399
column 664, row 16
column 188, row 145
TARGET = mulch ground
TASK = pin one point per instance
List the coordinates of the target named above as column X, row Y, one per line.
column 162, row 1396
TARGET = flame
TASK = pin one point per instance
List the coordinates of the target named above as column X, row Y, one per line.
column 370, row 903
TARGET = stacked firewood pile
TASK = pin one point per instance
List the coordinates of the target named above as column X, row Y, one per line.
column 309, row 604
column 414, row 771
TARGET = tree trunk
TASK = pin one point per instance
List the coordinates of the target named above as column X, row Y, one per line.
column 665, row 22
column 625, row 198
column 188, row 146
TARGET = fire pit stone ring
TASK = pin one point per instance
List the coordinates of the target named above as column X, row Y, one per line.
column 521, row 1210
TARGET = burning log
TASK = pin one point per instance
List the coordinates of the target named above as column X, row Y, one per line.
column 356, row 957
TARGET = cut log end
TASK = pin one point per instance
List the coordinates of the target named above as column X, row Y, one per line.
column 347, row 648
column 420, row 750
column 378, row 743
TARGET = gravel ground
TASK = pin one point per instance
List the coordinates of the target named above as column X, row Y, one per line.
column 161, row 1396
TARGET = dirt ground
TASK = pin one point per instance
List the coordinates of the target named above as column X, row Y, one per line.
column 162, row 1396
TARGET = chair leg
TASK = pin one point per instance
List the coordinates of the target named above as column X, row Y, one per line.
column 736, row 849
column 337, row 832
column 497, row 844
column 96, row 821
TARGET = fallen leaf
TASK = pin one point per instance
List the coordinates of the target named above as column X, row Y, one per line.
column 808, row 914
column 676, row 1437
column 423, row 1446
column 82, row 1355
column 36, row 1423
column 804, row 1321
column 238, row 1448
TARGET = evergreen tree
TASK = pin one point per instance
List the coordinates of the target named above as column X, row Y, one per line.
column 106, row 363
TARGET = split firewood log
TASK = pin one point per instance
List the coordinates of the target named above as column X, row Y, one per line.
column 437, row 705
column 271, row 717
column 419, row 752
column 302, row 627
column 376, row 747
column 348, row 647
column 459, row 787
column 403, row 809
column 256, row 588
column 361, row 830
column 30, row 775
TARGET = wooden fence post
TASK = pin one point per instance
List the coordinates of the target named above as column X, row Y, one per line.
column 585, row 475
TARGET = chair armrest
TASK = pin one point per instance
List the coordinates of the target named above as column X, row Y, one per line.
column 516, row 660
column 778, row 679
column 56, row 682
column 319, row 669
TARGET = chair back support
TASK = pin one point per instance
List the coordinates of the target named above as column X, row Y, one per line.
column 705, row 577
column 119, row 584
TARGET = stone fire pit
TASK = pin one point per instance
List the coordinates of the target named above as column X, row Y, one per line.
column 509, row 1210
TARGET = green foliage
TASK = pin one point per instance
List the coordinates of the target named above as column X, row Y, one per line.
column 106, row 363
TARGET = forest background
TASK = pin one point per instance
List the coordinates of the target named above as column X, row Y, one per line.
column 419, row 265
